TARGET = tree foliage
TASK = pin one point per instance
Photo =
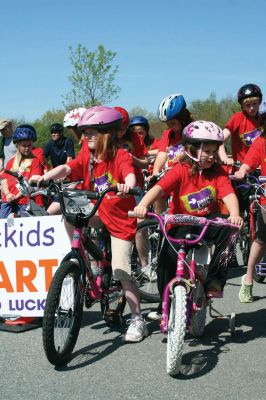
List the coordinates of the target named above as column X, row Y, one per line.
column 92, row 78
column 213, row 110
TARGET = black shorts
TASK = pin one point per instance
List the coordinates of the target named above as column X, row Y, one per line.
column 260, row 234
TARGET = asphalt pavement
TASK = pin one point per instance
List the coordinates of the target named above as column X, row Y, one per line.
column 217, row 366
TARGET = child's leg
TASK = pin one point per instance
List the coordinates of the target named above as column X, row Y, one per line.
column 121, row 264
column 256, row 253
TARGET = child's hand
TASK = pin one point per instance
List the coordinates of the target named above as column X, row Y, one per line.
column 236, row 220
column 122, row 189
column 36, row 178
column 140, row 211
column 240, row 174
column 10, row 197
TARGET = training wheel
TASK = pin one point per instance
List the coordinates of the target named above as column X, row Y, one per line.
column 232, row 323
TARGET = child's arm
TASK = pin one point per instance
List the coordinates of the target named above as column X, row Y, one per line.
column 222, row 152
column 57, row 173
column 159, row 162
column 153, row 194
column 232, row 204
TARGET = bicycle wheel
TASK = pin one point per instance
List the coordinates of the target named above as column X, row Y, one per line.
column 62, row 314
column 198, row 317
column 176, row 330
column 244, row 239
column 148, row 251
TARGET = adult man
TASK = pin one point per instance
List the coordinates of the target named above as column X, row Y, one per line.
column 7, row 147
column 59, row 148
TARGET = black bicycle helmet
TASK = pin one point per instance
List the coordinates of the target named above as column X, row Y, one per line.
column 56, row 128
column 248, row 90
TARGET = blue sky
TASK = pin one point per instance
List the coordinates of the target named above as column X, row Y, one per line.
column 193, row 47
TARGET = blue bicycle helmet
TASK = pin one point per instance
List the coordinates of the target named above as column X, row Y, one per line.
column 171, row 106
column 139, row 120
column 24, row 132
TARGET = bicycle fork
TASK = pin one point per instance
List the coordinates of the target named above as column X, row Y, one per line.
column 179, row 279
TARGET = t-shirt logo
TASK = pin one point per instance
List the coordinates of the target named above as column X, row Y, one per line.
column 173, row 154
column 103, row 182
column 249, row 137
column 198, row 200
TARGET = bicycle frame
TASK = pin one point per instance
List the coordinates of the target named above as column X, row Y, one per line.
column 186, row 274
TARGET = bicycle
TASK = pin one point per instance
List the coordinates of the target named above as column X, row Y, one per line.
column 74, row 282
column 184, row 300
column 149, row 229
column 248, row 230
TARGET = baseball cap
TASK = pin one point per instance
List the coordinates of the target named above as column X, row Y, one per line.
column 4, row 123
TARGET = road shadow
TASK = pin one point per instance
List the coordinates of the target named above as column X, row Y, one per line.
column 198, row 363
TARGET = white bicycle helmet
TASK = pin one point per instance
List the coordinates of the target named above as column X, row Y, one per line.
column 72, row 117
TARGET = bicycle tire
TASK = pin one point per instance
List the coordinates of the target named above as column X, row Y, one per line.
column 176, row 331
column 198, row 317
column 244, row 239
column 63, row 311
column 147, row 282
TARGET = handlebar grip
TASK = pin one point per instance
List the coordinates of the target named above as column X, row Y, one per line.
column 15, row 174
column 131, row 214
column 136, row 191
column 262, row 179
column 92, row 195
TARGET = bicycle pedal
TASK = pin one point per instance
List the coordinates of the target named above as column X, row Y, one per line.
column 113, row 318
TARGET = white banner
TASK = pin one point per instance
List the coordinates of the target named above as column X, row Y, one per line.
column 30, row 251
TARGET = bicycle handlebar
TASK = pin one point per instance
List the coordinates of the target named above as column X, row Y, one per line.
column 189, row 220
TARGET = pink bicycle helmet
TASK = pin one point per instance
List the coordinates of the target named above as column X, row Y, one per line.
column 202, row 131
column 72, row 117
column 101, row 118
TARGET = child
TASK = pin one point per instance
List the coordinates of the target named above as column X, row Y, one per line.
column 255, row 157
column 25, row 163
column 243, row 125
column 110, row 166
column 173, row 111
column 196, row 176
column 141, row 126
column 134, row 144
column 71, row 120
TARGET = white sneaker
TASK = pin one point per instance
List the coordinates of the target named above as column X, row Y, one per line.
column 137, row 330
column 154, row 316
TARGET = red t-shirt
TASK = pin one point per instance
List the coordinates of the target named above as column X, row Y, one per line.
column 169, row 138
column 197, row 194
column 39, row 153
column 155, row 144
column 34, row 169
column 256, row 156
column 113, row 209
column 244, row 130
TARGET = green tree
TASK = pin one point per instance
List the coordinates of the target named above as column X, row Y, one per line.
column 92, row 78
column 213, row 110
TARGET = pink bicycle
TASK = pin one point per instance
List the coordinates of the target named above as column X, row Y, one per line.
column 75, row 281
column 184, row 300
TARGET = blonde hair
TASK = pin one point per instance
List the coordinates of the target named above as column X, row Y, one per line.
column 248, row 99
column 21, row 162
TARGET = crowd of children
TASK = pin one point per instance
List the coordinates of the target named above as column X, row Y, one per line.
column 114, row 150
